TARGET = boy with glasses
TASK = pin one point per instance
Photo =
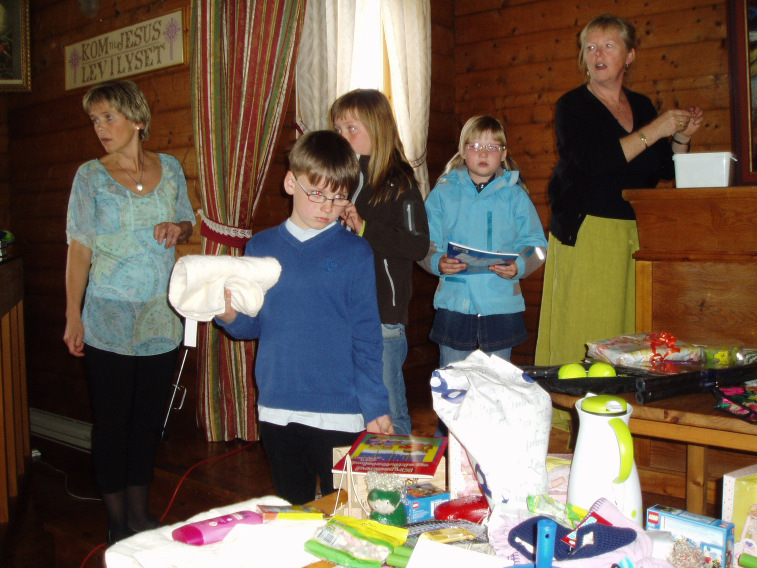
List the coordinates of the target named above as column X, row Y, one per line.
column 318, row 364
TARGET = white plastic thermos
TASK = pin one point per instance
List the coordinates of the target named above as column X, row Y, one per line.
column 603, row 464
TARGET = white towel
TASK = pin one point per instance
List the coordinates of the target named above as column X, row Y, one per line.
column 198, row 281
column 278, row 543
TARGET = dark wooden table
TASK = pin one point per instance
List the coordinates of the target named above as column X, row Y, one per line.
column 689, row 419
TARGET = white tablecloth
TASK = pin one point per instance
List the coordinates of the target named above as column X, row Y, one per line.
column 279, row 543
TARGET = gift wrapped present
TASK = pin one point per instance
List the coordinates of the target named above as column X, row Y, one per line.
column 740, row 500
column 643, row 348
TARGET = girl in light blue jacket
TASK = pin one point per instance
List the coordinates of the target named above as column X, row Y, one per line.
column 481, row 201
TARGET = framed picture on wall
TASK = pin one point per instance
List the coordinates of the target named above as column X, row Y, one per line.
column 14, row 45
column 742, row 52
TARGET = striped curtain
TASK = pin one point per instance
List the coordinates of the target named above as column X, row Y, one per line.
column 243, row 54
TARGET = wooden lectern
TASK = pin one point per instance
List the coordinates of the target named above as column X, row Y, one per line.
column 696, row 269
column 696, row 272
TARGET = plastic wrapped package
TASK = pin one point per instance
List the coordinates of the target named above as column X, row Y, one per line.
column 643, row 348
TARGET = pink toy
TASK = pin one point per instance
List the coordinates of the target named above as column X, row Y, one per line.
column 214, row 530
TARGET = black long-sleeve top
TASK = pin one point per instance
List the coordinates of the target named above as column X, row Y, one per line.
column 397, row 230
column 592, row 171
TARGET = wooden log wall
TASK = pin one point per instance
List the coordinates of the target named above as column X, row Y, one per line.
column 514, row 60
column 50, row 136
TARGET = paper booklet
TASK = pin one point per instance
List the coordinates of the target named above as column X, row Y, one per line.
column 412, row 456
column 478, row 261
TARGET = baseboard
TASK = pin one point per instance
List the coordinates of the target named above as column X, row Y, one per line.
column 61, row 429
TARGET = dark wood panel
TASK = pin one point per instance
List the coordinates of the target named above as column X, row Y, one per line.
column 699, row 302
column 442, row 39
column 443, row 13
column 674, row 61
column 11, row 284
column 516, row 48
column 477, row 22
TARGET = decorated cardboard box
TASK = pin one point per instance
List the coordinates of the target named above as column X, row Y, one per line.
column 739, row 495
column 350, row 476
column 714, row 537
column 421, row 499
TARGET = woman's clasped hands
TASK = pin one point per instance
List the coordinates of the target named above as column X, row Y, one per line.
column 684, row 122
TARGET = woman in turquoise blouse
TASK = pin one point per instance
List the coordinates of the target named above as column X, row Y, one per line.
column 126, row 213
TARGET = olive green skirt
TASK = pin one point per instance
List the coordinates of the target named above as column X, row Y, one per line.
column 589, row 290
column 589, row 293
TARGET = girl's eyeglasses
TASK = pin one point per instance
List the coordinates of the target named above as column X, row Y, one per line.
column 476, row 147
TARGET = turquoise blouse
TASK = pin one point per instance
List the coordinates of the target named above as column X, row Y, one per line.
column 126, row 307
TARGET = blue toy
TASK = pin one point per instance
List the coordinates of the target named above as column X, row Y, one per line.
column 546, row 530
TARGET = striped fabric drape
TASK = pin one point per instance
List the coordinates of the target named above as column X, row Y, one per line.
column 243, row 54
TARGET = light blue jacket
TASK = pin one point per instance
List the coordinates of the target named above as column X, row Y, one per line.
column 501, row 218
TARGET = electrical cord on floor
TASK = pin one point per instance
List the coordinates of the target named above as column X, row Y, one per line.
column 176, row 491
column 65, row 482
column 183, row 477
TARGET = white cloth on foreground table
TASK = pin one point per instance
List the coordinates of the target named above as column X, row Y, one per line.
column 198, row 281
column 278, row 543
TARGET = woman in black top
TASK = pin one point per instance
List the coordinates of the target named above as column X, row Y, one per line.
column 608, row 139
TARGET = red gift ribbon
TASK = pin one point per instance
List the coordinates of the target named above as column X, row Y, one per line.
column 662, row 339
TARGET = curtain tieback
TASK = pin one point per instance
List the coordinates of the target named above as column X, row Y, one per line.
column 419, row 161
column 300, row 125
column 224, row 234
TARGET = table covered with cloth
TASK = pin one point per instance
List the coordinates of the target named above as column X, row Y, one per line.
column 280, row 543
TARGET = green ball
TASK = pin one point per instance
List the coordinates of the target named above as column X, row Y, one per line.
column 602, row 370
column 571, row 371
column 6, row 237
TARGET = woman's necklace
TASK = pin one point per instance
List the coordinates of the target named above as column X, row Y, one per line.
column 140, row 187
column 614, row 108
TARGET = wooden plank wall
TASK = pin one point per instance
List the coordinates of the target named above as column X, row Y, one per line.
column 423, row 355
column 514, row 59
column 50, row 136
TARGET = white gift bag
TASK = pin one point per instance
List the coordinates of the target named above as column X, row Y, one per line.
column 503, row 421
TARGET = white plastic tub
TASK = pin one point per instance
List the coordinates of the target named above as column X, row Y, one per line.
column 704, row 169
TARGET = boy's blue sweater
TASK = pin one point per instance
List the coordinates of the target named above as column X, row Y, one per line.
column 320, row 342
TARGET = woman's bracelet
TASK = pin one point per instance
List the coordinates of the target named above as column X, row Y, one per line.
column 687, row 144
column 643, row 138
